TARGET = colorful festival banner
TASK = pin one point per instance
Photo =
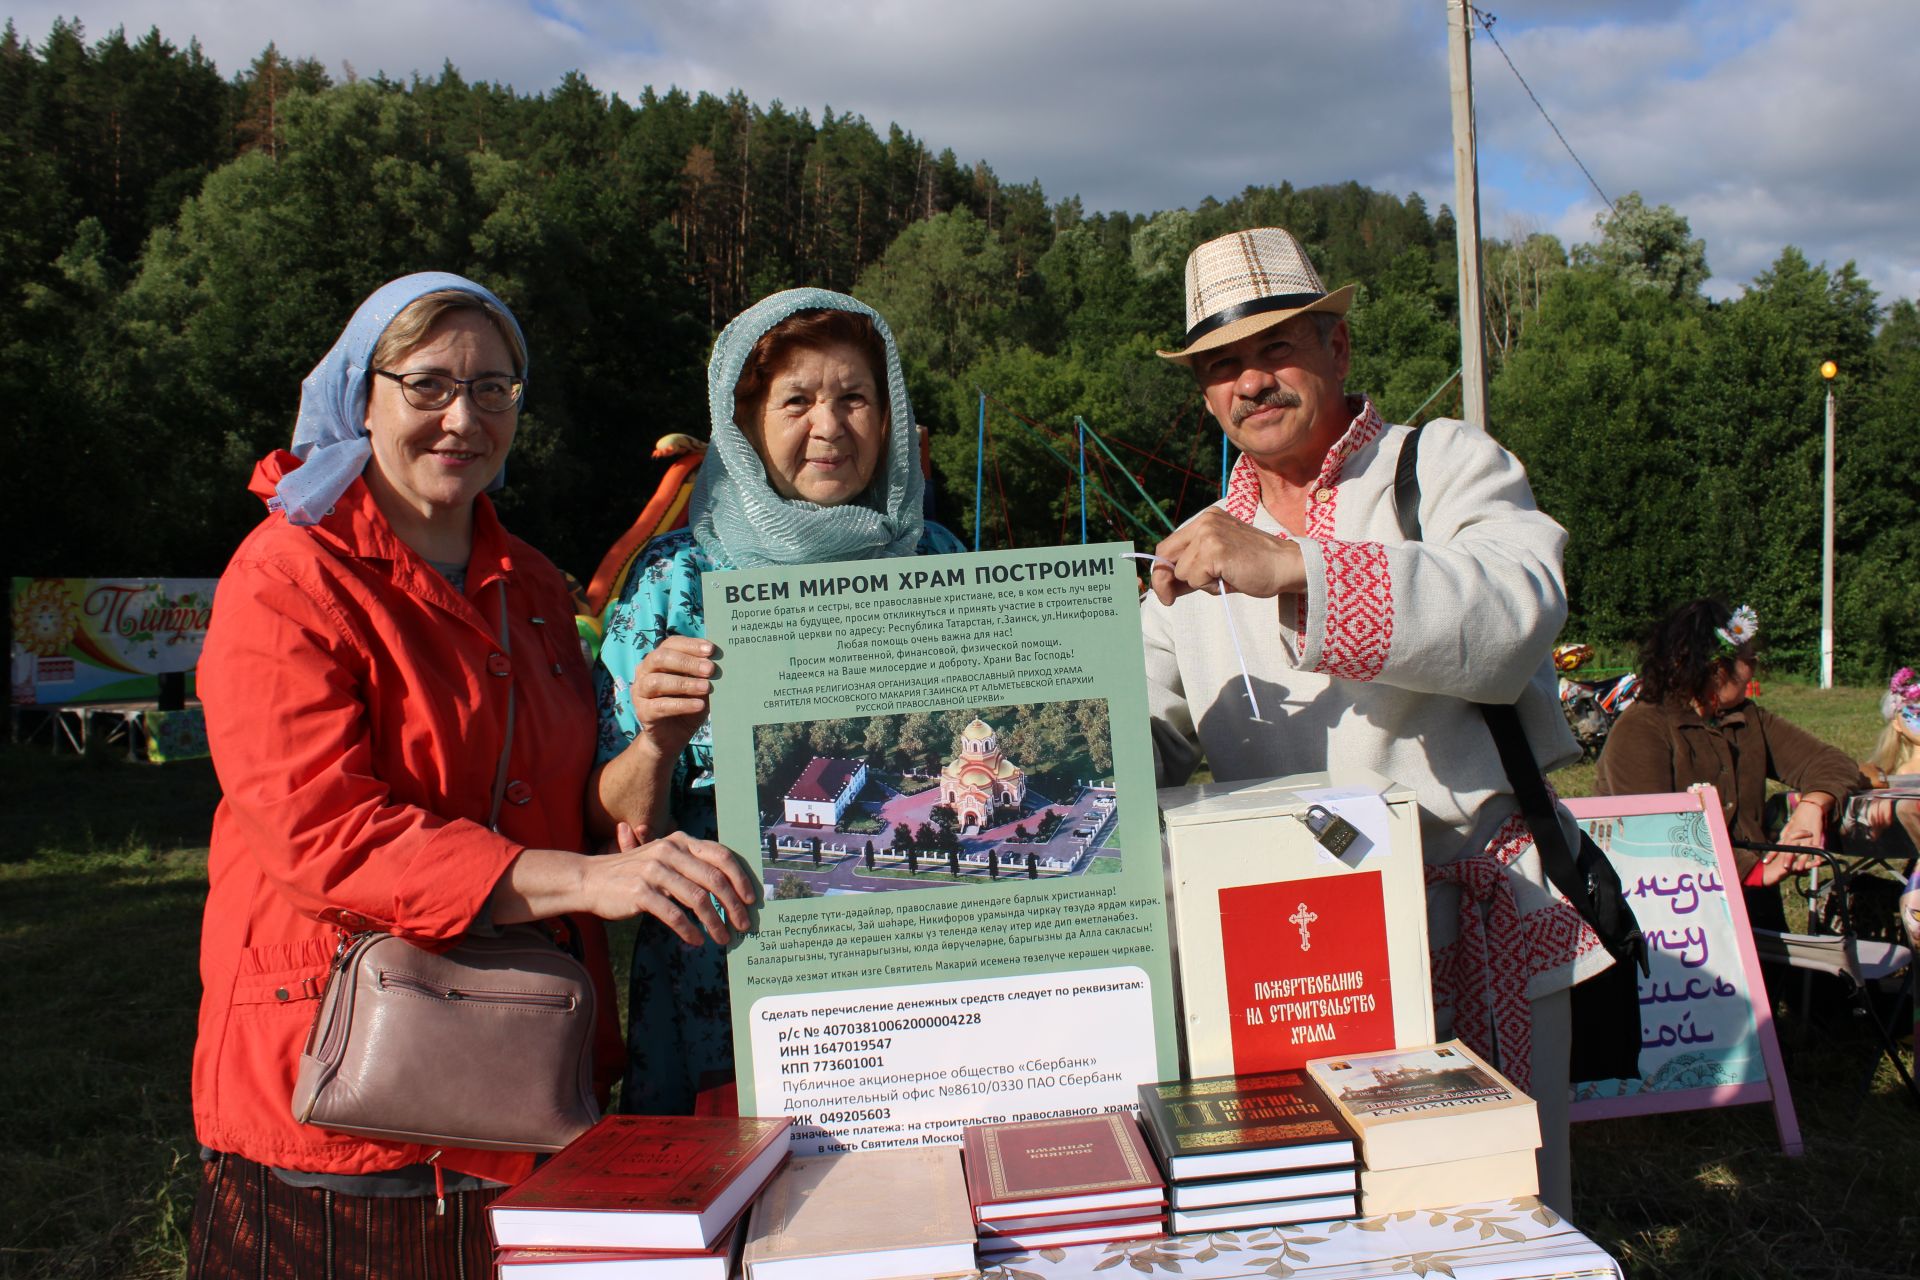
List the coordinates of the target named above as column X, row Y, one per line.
column 940, row 770
column 104, row 639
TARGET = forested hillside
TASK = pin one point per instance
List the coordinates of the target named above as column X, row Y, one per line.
column 178, row 246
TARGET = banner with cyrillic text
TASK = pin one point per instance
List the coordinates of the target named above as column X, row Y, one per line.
column 940, row 770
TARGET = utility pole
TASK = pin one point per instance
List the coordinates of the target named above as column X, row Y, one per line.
column 1466, row 212
column 1827, row 371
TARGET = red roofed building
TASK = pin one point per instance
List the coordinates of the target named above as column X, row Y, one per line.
column 824, row 789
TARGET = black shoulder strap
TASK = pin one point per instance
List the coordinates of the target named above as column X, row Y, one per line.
column 1406, row 486
column 1516, row 757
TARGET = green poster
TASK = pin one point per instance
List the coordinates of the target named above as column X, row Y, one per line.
column 939, row 767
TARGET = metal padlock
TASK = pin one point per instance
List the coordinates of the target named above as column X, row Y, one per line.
column 1335, row 834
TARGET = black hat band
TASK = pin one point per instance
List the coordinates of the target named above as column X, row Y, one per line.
column 1241, row 310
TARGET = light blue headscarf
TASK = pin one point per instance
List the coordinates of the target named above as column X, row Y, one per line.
column 330, row 436
column 740, row 520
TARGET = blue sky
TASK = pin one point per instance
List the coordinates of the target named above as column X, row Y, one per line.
column 1766, row 123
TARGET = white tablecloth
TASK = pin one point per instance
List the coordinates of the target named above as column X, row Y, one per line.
column 1501, row 1240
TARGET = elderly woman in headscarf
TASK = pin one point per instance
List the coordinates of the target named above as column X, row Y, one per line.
column 814, row 457
column 365, row 639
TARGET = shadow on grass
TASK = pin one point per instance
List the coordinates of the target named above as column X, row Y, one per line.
column 99, row 951
column 65, row 804
column 1708, row 1193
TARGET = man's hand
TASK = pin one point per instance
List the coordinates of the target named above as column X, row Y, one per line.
column 1214, row 549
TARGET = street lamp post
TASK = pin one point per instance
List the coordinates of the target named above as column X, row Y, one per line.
column 1827, row 370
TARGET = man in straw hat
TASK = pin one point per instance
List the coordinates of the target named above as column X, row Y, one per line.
column 1366, row 648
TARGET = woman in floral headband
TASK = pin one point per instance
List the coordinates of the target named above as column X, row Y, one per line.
column 1693, row 724
column 1898, row 751
column 1895, row 762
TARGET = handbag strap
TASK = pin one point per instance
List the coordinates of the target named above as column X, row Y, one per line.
column 1510, row 740
column 506, row 744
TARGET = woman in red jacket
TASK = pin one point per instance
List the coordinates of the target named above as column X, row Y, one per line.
column 355, row 686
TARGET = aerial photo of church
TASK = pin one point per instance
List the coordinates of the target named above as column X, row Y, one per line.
column 862, row 805
column 980, row 779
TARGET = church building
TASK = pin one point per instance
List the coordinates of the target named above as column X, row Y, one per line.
column 979, row 779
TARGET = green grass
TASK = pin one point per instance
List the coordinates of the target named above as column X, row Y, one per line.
column 102, row 877
column 103, row 873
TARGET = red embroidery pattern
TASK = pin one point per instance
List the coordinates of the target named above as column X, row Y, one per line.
column 1359, row 630
column 1361, row 432
column 1243, row 491
column 1483, row 974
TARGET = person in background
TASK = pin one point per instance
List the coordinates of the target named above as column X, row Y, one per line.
column 1895, row 762
column 1694, row 724
column 814, row 457
column 355, row 682
column 1897, row 753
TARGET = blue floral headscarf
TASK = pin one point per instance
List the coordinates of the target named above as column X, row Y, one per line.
column 330, row 436
column 738, row 518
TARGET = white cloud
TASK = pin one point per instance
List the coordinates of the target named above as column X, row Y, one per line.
column 1765, row 122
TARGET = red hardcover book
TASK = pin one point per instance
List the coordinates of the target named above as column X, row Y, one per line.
column 552, row 1262
column 1038, row 1168
column 1061, row 1237
column 643, row 1182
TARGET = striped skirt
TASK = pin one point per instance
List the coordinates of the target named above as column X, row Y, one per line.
column 249, row 1225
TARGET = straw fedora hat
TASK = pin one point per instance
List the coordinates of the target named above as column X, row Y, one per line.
column 1249, row 281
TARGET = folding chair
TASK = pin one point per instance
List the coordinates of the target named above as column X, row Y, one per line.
column 1863, row 966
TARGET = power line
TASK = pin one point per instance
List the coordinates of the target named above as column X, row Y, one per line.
column 1486, row 23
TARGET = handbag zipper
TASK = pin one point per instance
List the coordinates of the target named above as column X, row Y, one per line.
column 336, row 1028
column 522, row 999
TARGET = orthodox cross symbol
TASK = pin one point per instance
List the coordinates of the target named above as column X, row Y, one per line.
column 1303, row 918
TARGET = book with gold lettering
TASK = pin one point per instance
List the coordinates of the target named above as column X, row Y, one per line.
column 1034, row 1170
column 1300, row 925
column 1222, row 1126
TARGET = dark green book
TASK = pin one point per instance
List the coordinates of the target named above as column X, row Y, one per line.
column 1219, row 1126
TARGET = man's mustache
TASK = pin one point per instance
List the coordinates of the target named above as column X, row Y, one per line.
column 1272, row 398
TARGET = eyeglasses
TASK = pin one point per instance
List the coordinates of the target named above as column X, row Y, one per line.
column 490, row 392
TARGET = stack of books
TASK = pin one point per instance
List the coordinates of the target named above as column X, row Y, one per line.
column 1257, row 1150
column 1437, row 1126
column 867, row 1215
column 1046, row 1184
column 648, row 1197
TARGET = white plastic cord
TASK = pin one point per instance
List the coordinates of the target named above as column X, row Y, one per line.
column 1233, row 632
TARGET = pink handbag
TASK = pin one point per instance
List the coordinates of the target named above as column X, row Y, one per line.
column 488, row 1044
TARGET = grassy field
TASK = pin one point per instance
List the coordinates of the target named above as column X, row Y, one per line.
column 102, row 873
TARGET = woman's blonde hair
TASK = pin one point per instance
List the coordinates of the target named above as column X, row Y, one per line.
column 408, row 329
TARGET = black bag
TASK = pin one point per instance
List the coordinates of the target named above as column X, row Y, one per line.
column 1606, row 1007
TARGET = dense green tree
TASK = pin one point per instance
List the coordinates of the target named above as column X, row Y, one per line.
column 1650, row 248
column 176, row 250
column 1598, row 405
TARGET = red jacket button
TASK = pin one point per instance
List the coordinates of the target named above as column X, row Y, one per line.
column 518, row 792
column 497, row 664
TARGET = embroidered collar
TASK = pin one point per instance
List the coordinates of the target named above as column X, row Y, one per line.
column 1243, row 485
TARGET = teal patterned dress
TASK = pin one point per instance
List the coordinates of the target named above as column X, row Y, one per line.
column 679, row 1025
